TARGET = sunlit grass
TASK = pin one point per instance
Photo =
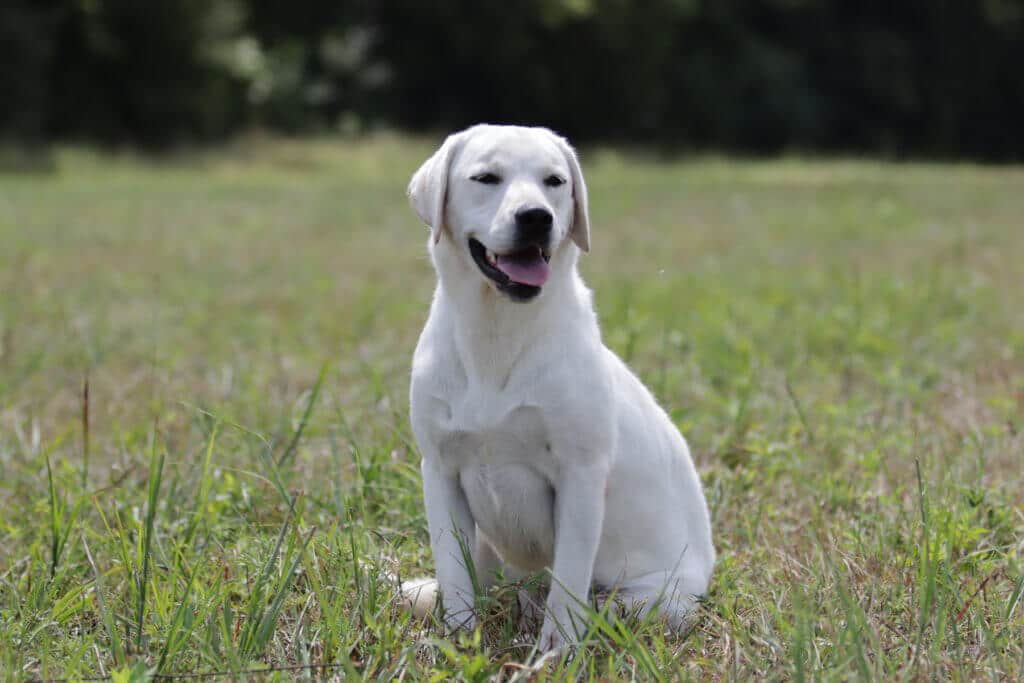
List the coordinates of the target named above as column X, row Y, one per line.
column 842, row 342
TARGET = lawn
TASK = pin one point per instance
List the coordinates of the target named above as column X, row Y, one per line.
column 842, row 343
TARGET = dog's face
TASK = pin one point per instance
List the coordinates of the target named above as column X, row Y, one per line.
column 509, row 198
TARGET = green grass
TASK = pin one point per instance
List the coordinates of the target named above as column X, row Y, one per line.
column 842, row 342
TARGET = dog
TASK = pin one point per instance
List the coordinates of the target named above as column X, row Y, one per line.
column 540, row 449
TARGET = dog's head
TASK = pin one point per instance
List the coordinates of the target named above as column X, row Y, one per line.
column 509, row 198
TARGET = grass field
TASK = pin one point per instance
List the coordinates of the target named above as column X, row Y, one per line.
column 842, row 342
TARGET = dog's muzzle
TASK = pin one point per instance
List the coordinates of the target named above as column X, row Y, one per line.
column 520, row 273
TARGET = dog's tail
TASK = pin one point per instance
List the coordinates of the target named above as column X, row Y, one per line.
column 419, row 596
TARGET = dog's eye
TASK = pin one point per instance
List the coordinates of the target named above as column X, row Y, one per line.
column 486, row 178
column 554, row 181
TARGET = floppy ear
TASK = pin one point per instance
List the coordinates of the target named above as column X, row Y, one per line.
column 428, row 188
column 580, row 230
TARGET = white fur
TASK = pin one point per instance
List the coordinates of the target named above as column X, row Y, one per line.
column 540, row 448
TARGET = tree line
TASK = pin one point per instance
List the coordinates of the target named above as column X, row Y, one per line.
column 938, row 78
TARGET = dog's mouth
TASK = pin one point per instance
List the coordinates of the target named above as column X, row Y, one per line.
column 520, row 273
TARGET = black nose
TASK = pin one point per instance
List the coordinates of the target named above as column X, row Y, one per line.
column 533, row 225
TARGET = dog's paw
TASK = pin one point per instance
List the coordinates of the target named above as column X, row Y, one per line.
column 553, row 640
column 550, row 641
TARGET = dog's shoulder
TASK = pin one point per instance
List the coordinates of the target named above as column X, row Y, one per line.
column 428, row 358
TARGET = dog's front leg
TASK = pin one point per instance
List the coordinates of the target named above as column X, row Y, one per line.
column 579, row 515
column 452, row 535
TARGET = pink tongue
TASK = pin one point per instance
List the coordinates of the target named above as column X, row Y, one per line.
column 526, row 269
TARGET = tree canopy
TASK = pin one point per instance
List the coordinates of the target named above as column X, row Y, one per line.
column 918, row 77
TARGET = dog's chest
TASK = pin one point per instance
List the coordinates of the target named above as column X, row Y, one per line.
column 488, row 428
column 502, row 454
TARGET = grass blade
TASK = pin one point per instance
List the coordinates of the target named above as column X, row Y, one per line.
column 175, row 639
column 1014, row 600
column 108, row 620
column 156, row 467
column 289, row 452
column 246, row 642
column 269, row 619
column 55, row 521
column 60, row 522
column 203, row 491
column 85, row 432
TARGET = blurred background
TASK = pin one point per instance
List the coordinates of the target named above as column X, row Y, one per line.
column 921, row 78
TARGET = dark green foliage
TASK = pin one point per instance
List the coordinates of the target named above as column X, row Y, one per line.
column 937, row 78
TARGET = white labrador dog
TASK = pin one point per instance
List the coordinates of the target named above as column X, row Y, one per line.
column 540, row 448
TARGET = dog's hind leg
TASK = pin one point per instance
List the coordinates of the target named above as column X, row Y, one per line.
column 672, row 595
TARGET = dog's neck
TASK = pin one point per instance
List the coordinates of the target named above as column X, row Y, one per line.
column 481, row 316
